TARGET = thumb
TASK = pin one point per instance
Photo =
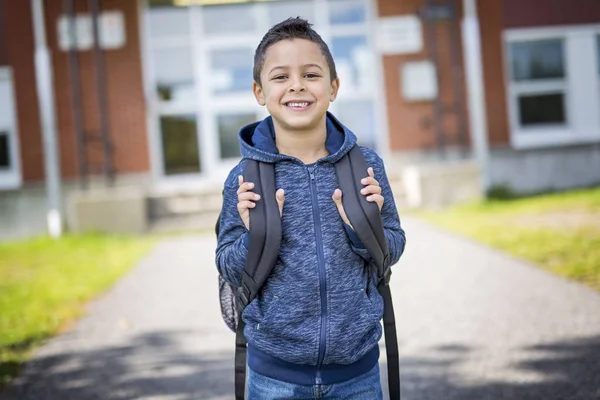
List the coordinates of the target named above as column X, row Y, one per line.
column 280, row 196
column 337, row 199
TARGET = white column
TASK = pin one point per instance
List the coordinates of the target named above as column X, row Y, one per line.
column 475, row 88
column 45, row 92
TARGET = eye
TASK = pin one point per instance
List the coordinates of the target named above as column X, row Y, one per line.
column 279, row 77
column 311, row 76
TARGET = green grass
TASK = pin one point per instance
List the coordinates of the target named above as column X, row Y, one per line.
column 559, row 232
column 44, row 284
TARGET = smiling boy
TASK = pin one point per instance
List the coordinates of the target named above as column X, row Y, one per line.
column 313, row 330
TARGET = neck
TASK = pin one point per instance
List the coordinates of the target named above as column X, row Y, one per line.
column 308, row 146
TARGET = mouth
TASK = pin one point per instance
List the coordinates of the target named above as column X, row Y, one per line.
column 298, row 105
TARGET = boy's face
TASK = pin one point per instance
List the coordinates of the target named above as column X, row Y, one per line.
column 296, row 85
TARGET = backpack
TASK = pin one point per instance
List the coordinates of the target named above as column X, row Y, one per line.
column 264, row 241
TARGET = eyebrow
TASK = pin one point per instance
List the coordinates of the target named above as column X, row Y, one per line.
column 304, row 66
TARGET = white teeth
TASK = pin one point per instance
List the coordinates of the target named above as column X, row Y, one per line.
column 297, row 104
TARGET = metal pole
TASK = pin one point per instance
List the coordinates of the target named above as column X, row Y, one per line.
column 45, row 91
column 475, row 89
column 76, row 96
column 101, row 90
column 438, row 115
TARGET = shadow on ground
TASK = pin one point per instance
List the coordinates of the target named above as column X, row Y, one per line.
column 147, row 366
column 154, row 366
column 567, row 370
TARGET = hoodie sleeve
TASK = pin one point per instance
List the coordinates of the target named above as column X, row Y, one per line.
column 394, row 233
column 232, row 242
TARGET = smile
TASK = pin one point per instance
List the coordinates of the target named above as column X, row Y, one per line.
column 298, row 105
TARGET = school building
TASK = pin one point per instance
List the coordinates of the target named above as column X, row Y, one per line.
column 146, row 97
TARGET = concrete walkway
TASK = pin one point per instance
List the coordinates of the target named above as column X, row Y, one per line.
column 473, row 324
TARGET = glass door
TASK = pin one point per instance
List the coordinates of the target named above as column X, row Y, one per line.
column 201, row 63
column 176, row 115
column 226, row 36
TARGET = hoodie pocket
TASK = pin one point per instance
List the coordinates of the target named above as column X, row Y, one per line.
column 354, row 326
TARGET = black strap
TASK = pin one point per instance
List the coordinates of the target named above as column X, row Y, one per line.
column 240, row 360
column 263, row 249
column 363, row 215
column 366, row 221
column 391, row 341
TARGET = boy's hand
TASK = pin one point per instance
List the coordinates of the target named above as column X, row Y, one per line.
column 372, row 190
column 247, row 199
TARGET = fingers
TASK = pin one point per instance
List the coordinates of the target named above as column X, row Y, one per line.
column 244, row 205
column 337, row 199
column 370, row 180
column 371, row 189
column 280, row 196
column 377, row 198
column 244, row 187
column 248, row 196
column 247, row 199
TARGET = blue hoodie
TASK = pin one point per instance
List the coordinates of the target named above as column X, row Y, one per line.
column 317, row 318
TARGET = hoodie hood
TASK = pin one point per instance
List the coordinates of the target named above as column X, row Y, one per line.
column 257, row 141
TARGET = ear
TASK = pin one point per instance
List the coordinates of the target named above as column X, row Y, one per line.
column 335, row 86
column 258, row 93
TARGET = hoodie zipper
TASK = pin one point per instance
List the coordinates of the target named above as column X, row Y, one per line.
column 322, row 276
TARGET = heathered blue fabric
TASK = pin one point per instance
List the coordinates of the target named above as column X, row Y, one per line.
column 284, row 321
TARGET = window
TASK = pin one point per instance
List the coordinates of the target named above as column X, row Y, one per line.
column 538, row 80
column 553, row 85
column 174, row 73
column 179, row 144
column 360, row 118
column 166, row 21
column 282, row 10
column 4, row 151
column 231, row 70
column 229, row 19
column 354, row 62
column 171, row 56
column 346, row 12
column 229, row 125
column 10, row 171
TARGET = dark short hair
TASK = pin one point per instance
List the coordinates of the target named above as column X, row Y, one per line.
column 291, row 28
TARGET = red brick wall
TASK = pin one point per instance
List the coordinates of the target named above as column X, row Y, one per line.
column 20, row 54
column 411, row 125
column 127, row 113
column 126, row 108
column 3, row 52
column 524, row 13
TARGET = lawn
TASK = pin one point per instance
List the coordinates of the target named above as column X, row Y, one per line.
column 559, row 232
column 45, row 283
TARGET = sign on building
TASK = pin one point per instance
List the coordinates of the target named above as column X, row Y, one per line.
column 399, row 35
column 419, row 81
column 111, row 28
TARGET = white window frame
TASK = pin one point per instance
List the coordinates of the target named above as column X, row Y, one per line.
column 580, row 87
column 10, row 178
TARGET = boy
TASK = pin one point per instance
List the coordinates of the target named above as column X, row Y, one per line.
column 313, row 331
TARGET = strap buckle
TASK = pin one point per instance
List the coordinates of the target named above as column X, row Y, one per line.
column 243, row 297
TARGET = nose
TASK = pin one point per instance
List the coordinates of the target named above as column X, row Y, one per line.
column 296, row 86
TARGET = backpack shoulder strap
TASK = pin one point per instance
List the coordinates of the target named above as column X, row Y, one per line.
column 263, row 249
column 265, row 232
column 363, row 215
column 366, row 220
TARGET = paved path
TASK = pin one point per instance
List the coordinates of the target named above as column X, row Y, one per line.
column 473, row 324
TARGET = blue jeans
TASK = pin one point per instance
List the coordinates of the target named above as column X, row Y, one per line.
column 363, row 387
